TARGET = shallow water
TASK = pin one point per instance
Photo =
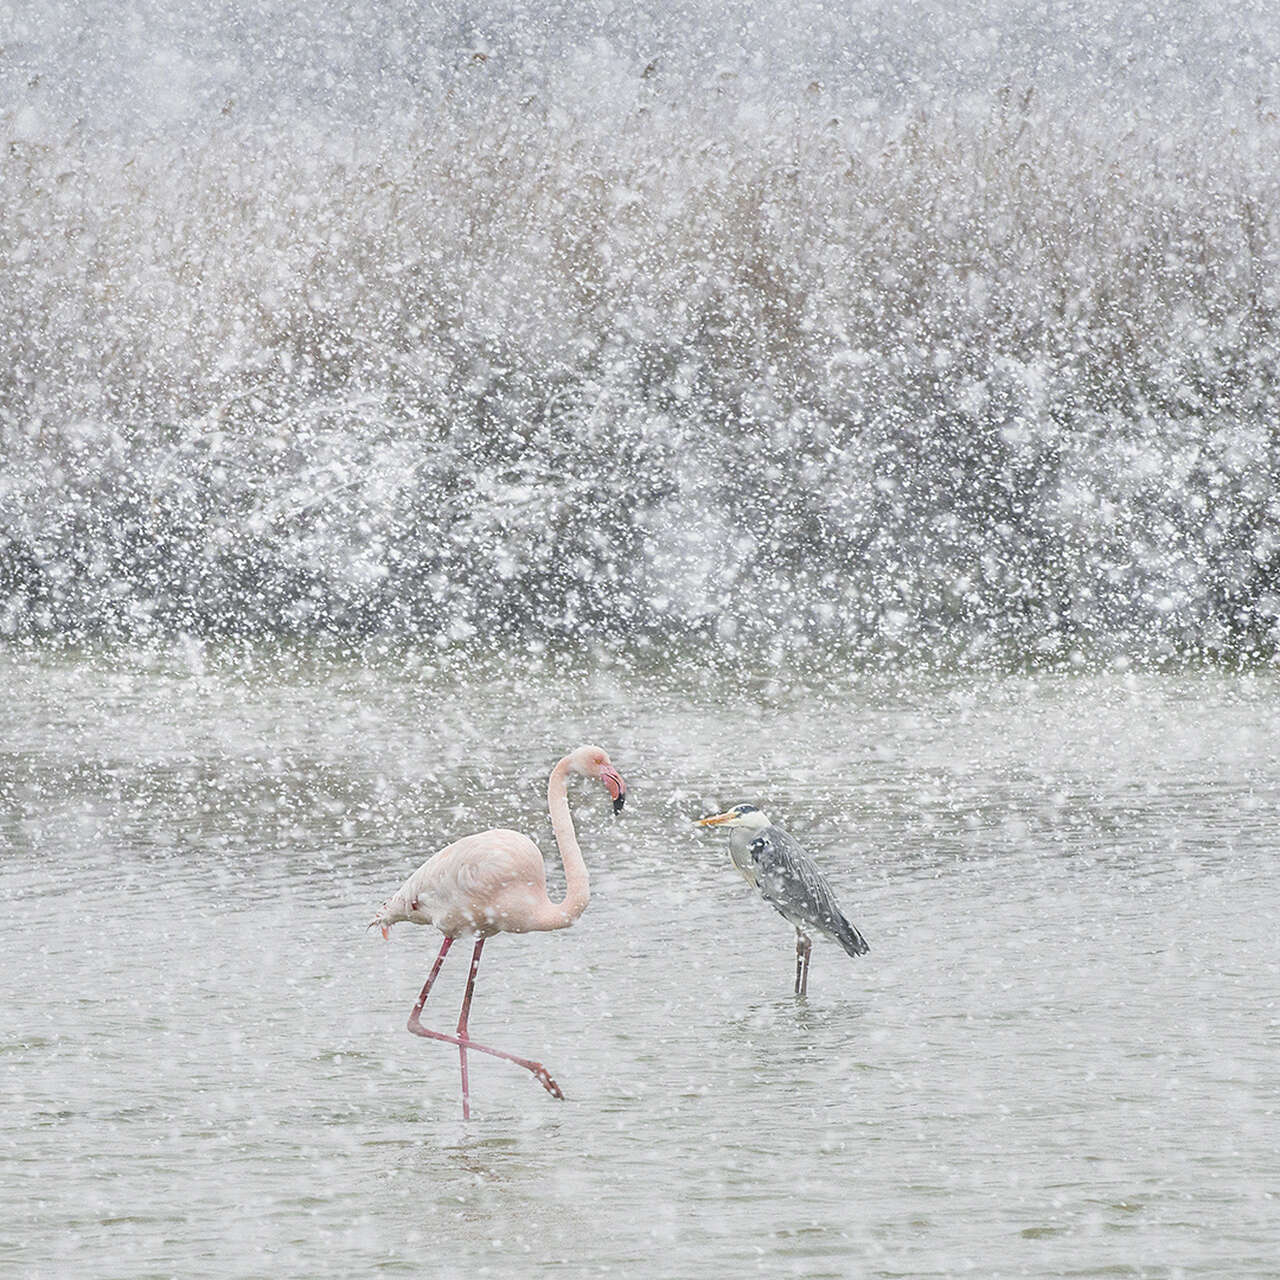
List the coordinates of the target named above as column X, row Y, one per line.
column 1058, row 1059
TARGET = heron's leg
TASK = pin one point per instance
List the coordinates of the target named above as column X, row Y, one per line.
column 462, row 1027
column 464, row 1041
column 804, row 945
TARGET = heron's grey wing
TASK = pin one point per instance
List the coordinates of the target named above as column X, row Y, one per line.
column 791, row 882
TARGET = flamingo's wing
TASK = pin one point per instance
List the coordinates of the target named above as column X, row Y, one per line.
column 469, row 883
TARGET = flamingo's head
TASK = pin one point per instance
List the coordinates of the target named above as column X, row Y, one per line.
column 594, row 762
column 741, row 815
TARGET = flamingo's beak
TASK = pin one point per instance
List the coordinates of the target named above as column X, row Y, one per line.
column 617, row 788
column 715, row 819
column 386, row 932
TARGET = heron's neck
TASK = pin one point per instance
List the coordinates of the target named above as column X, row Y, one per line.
column 577, row 889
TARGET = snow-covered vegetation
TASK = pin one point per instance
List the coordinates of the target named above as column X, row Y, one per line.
column 988, row 380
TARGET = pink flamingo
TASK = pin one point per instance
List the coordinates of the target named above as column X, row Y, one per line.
column 495, row 882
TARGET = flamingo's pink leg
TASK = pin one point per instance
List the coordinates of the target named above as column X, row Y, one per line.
column 462, row 1027
column 431, row 977
column 463, row 1041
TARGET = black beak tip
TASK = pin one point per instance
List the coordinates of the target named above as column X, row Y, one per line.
column 618, row 803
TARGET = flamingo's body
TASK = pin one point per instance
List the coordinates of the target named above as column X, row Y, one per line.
column 495, row 882
column 492, row 882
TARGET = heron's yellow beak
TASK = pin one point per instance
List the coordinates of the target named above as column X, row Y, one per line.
column 715, row 819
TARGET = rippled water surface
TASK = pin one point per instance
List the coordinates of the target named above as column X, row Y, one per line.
column 1058, row 1059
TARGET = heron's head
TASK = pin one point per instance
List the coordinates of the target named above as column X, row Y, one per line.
column 741, row 815
column 594, row 762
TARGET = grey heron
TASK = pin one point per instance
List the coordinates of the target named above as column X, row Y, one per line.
column 774, row 862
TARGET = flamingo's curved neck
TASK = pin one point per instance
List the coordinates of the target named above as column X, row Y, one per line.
column 577, row 889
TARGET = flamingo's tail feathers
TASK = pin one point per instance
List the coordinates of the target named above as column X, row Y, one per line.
column 400, row 906
column 385, row 917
